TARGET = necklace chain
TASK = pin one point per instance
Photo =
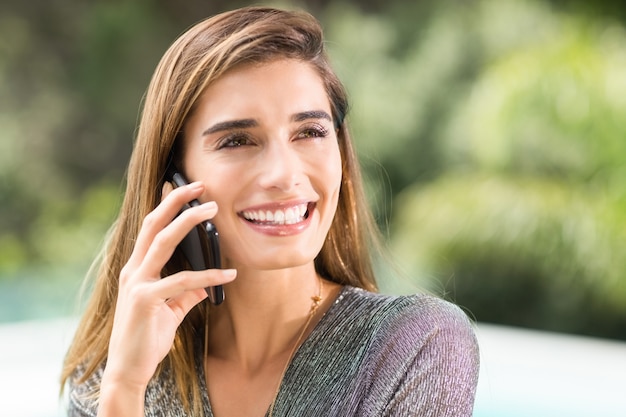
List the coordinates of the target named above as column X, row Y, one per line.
column 317, row 300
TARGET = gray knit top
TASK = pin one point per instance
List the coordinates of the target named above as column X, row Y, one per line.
column 370, row 355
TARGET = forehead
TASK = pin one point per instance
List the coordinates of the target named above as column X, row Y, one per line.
column 281, row 85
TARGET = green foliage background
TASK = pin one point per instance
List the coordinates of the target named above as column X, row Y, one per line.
column 491, row 134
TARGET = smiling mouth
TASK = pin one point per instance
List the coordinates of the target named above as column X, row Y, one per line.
column 279, row 217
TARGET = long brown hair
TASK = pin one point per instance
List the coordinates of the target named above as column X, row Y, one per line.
column 195, row 60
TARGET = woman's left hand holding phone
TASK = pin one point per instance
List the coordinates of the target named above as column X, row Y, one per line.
column 150, row 309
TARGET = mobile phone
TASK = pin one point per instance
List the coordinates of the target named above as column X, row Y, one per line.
column 201, row 245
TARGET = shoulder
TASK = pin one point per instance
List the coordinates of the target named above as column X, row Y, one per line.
column 423, row 357
column 412, row 325
column 408, row 355
column 412, row 313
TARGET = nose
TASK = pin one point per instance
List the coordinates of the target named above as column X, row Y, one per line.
column 280, row 167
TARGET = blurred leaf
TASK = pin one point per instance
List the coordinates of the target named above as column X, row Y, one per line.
column 552, row 109
column 71, row 232
column 13, row 255
column 527, row 252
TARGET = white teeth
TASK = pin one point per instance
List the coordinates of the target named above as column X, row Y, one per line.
column 290, row 215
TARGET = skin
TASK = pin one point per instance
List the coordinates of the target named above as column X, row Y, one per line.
column 260, row 140
column 280, row 144
column 149, row 309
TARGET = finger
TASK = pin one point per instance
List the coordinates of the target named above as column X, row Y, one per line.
column 167, row 188
column 160, row 217
column 185, row 289
column 183, row 304
column 165, row 242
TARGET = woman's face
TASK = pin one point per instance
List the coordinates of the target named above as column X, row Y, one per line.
column 262, row 141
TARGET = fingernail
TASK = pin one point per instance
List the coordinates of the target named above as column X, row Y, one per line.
column 229, row 273
column 209, row 206
column 196, row 185
column 167, row 188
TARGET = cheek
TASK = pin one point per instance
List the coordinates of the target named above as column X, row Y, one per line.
column 216, row 177
column 335, row 170
column 330, row 181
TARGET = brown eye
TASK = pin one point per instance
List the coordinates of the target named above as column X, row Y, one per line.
column 234, row 141
column 313, row 132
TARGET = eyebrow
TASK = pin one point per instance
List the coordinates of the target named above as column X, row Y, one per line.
column 313, row 114
column 248, row 123
column 230, row 125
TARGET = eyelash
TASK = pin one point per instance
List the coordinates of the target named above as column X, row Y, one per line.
column 228, row 140
column 235, row 139
column 319, row 131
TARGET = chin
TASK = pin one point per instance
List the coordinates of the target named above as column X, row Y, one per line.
column 274, row 260
column 290, row 262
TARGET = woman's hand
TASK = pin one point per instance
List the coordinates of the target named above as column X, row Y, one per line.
column 150, row 309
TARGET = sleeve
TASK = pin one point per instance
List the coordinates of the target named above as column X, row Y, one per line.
column 83, row 396
column 436, row 361
column 73, row 410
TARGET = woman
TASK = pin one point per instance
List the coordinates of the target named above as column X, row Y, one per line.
column 246, row 105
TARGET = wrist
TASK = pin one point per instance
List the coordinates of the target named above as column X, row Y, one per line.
column 122, row 380
column 120, row 396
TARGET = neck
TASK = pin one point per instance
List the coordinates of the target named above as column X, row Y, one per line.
column 263, row 315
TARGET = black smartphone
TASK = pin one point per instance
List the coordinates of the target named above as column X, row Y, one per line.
column 201, row 246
